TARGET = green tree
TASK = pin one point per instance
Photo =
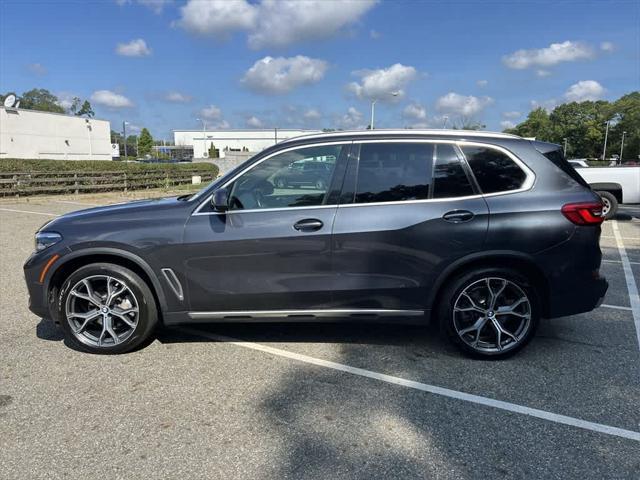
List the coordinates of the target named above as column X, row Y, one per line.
column 40, row 99
column 213, row 151
column 536, row 125
column 626, row 112
column 85, row 110
column 145, row 143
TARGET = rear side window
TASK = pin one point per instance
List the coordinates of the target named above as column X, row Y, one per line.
column 393, row 172
column 449, row 177
column 494, row 170
column 557, row 158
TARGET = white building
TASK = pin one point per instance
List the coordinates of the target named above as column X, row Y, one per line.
column 44, row 135
column 233, row 140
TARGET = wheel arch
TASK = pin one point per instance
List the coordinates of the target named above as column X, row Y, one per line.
column 520, row 262
column 126, row 259
column 614, row 189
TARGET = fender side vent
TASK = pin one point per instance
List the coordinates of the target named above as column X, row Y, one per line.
column 173, row 282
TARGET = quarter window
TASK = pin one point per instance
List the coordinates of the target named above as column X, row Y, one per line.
column 393, row 172
column 449, row 177
column 494, row 170
column 297, row 178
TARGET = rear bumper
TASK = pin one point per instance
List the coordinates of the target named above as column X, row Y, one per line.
column 583, row 297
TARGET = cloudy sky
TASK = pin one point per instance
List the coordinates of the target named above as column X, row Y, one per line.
column 164, row 64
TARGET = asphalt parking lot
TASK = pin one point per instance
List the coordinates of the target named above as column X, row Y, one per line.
column 319, row 401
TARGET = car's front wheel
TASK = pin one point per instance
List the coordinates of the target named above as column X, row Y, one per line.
column 490, row 312
column 105, row 308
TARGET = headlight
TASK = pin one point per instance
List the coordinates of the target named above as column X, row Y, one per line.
column 46, row 239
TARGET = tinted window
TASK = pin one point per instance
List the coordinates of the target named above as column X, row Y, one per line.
column 449, row 177
column 392, row 172
column 494, row 170
column 557, row 158
column 291, row 179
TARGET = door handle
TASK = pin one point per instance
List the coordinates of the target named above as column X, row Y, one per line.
column 308, row 225
column 458, row 216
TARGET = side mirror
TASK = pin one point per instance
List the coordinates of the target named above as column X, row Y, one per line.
column 220, row 200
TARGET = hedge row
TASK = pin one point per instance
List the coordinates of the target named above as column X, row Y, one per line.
column 9, row 165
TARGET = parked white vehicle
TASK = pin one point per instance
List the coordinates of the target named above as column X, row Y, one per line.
column 615, row 185
column 579, row 163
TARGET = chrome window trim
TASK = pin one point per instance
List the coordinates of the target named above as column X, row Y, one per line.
column 197, row 212
column 528, row 183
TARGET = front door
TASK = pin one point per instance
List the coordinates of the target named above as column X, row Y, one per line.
column 411, row 209
column 272, row 249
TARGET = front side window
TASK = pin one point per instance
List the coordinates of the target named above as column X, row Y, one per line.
column 494, row 170
column 393, row 172
column 297, row 178
column 449, row 178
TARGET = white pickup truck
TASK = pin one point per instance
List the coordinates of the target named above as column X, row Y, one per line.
column 615, row 185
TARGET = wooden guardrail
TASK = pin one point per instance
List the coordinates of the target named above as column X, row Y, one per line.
column 35, row 183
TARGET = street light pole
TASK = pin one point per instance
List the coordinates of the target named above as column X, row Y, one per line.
column 204, row 138
column 373, row 107
column 606, row 135
column 622, row 146
column 445, row 119
column 565, row 147
column 124, row 137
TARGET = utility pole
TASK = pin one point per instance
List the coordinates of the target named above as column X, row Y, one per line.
column 606, row 135
column 622, row 146
column 373, row 109
column 124, row 137
column 565, row 147
column 275, row 133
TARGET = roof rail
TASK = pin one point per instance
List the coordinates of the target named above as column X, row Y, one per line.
column 382, row 131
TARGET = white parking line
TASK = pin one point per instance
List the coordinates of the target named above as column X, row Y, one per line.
column 617, row 307
column 619, row 261
column 634, row 297
column 78, row 203
column 29, row 211
column 445, row 392
column 625, row 238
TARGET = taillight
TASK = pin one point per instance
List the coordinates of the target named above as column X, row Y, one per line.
column 587, row 213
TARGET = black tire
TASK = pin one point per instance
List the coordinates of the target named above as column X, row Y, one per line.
column 321, row 184
column 610, row 203
column 136, row 336
column 514, row 282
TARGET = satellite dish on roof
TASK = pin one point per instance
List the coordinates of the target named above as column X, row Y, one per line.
column 10, row 100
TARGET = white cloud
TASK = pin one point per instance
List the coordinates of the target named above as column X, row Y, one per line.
column 548, row 105
column 584, row 90
column 380, row 84
column 217, row 18
column 177, row 97
column 211, row 112
column 272, row 23
column 546, row 57
column 542, row 72
column 110, row 99
column 352, row 120
column 512, row 114
column 65, row 99
column 285, row 22
column 157, row 6
column 415, row 112
column 281, row 75
column 254, row 122
column 37, row 69
column 482, row 83
column 312, row 114
column 507, row 124
column 607, row 47
column 135, row 48
column 466, row 106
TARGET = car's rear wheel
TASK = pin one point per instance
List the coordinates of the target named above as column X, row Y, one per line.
column 321, row 184
column 609, row 204
column 105, row 308
column 490, row 312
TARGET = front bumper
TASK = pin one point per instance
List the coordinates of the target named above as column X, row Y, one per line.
column 37, row 283
column 583, row 297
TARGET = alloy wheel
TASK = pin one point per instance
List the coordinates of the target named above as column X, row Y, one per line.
column 492, row 315
column 102, row 311
column 606, row 206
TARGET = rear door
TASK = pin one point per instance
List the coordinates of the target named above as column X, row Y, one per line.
column 408, row 208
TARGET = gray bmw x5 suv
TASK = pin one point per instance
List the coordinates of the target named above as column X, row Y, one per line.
column 485, row 233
